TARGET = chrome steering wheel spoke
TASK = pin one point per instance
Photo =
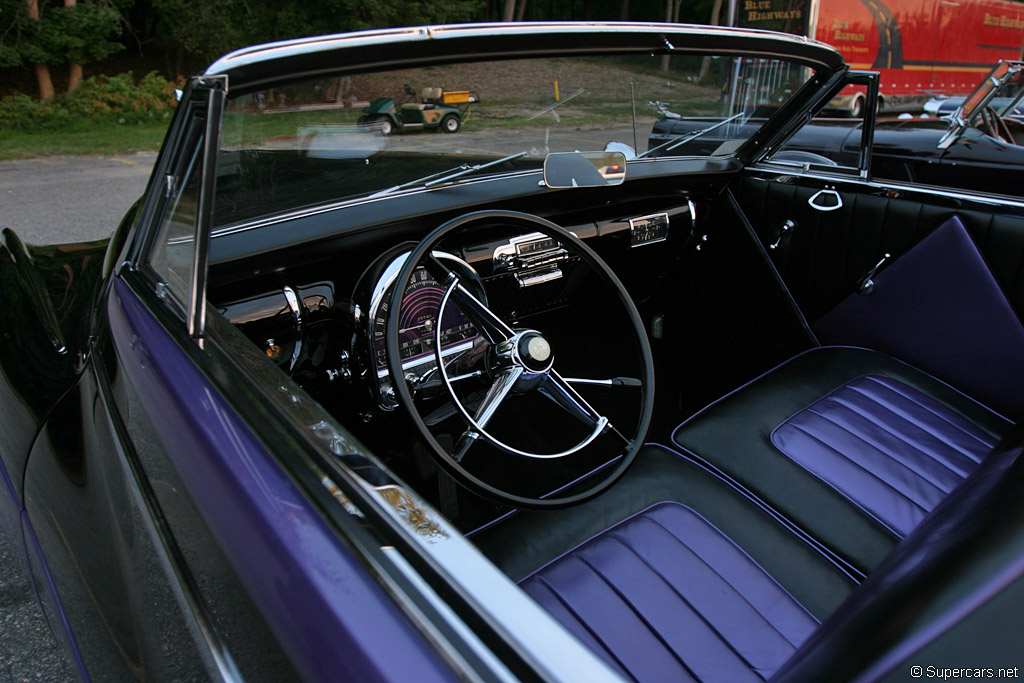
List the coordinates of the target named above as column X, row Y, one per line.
column 499, row 390
column 495, row 395
column 561, row 392
column 493, row 328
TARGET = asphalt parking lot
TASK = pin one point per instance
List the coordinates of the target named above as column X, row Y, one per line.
column 48, row 201
column 70, row 199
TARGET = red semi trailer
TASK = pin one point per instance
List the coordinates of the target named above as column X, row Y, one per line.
column 921, row 48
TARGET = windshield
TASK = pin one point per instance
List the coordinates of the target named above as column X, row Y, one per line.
column 376, row 134
column 1001, row 90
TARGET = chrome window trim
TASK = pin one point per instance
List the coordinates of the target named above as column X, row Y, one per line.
column 876, row 184
column 351, row 42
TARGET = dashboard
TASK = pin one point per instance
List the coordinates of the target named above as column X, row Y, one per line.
column 327, row 329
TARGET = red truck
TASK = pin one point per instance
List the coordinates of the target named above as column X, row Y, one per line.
column 922, row 48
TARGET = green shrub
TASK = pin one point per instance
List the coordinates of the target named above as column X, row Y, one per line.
column 102, row 99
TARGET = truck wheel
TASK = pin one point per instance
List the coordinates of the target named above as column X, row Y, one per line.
column 450, row 123
column 857, row 110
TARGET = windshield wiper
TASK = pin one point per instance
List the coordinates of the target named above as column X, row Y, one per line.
column 692, row 135
column 446, row 175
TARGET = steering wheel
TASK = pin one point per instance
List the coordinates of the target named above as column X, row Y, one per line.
column 994, row 125
column 518, row 361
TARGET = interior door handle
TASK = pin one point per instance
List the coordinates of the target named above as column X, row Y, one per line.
column 820, row 200
column 787, row 227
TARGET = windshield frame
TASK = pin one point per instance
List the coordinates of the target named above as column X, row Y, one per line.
column 987, row 90
column 252, row 71
column 363, row 52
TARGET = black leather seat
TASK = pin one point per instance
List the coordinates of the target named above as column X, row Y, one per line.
column 673, row 574
column 682, row 571
column 851, row 445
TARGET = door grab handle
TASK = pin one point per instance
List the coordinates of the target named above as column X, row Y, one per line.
column 813, row 201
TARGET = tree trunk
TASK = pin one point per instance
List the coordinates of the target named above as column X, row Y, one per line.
column 44, row 81
column 668, row 20
column 74, row 75
column 705, row 64
column 42, row 70
column 74, row 70
column 521, row 11
column 624, row 11
column 510, row 10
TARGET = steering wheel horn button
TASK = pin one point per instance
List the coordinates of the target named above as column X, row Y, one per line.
column 538, row 349
column 534, row 351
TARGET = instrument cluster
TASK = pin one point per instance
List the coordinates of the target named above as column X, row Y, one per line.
column 419, row 327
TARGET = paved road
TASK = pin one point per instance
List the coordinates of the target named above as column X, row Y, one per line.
column 70, row 199
column 27, row 649
column 47, row 201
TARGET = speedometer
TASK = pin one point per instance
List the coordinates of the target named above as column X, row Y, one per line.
column 418, row 323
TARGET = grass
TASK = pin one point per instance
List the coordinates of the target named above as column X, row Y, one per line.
column 95, row 139
column 510, row 95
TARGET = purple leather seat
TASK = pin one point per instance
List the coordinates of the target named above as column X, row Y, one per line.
column 666, row 596
column 673, row 574
column 728, row 561
column 708, row 585
column 850, row 445
column 891, row 450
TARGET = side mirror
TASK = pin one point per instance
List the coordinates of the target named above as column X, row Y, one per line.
column 584, row 169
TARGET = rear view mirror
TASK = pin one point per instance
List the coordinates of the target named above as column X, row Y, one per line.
column 584, row 169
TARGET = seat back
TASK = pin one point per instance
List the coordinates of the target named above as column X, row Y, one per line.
column 952, row 591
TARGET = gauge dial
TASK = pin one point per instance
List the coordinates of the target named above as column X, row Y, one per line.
column 418, row 322
column 418, row 328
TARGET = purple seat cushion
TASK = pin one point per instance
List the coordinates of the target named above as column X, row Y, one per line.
column 737, row 435
column 664, row 595
column 888, row 448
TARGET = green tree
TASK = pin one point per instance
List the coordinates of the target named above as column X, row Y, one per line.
column 210, row 30
column 43, row 33
column 84, row 32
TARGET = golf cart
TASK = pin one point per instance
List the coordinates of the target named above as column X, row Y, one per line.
column 437, row 108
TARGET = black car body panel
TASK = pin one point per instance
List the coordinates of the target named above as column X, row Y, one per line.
column 904, row 150
column 49, row 291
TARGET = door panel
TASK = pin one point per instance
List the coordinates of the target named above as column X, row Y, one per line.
column 826, row 253
column 106, row 568
column 825, row 257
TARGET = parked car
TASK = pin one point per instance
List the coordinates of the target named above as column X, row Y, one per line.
column 333, row 405
column 947, row 106
column 980, row 148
